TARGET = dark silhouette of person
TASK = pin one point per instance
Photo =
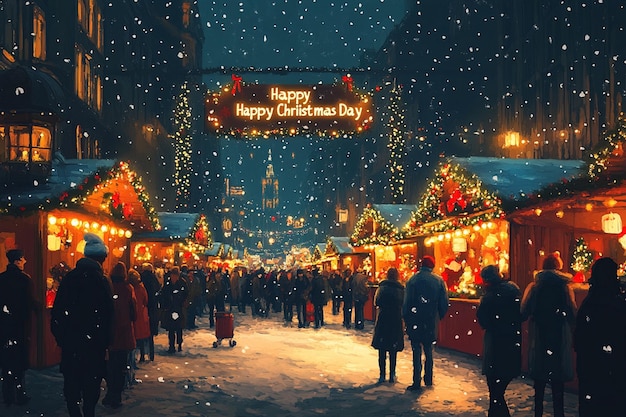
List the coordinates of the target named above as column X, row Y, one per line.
column 600, row 344
column 81, row 322
column 550, row 307
column 499, row 314
column 388, row 331
column 425, row 303
column 16, row 306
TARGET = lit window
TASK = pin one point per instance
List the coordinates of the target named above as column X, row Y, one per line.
column 39, row 32
column 186, row 12
column 511, row 139
column 29, row 143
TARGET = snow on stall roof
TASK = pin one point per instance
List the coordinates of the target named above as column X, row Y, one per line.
column 342, row 244
column 398, row 215
column 66, row 175
column 213, row 250
column 513, row 178
column 174, row 226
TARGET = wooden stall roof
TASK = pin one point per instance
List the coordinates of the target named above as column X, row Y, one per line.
column 466, row 191
column 178, row 227
column 381, row 224
column 103, row 187
column 319, row 251
column 216, row 250
column 340, row 246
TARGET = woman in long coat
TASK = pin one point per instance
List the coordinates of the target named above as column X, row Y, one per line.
column 123, row 342
column 549, row 304
column 388, row 330
column 499, row 314
column 600, row 343
column 142, row 323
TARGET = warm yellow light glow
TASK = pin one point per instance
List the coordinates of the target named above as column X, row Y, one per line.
column 560, row 214
column 589, row 207
column 538, row 211
column 52, row 220
column 611, row 202
column 128, row 234
column 104, row 228
column 75, row 222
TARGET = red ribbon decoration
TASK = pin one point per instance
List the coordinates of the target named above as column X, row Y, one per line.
column 348, row 80
column 236, row 83
column 456, row 198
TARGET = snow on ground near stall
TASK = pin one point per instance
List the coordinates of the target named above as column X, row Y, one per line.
column 283, row 371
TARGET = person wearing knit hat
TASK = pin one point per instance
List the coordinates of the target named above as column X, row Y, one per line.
column 425, row 303
column 95, row 247
column 499, row 314
column 81, row 322
column 17, row 300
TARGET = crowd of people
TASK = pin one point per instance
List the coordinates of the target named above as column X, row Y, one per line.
column 596, row 331
column 105, row 325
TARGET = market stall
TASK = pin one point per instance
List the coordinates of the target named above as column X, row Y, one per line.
column 379, row 230
column 183, row 238
column 48, row 221
column 461, row 221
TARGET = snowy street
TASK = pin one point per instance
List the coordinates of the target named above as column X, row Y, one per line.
column 284, row 371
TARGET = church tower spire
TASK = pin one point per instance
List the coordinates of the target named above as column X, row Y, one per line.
column 269, row 186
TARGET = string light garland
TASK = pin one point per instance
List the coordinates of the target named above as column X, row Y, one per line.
column 182, row 148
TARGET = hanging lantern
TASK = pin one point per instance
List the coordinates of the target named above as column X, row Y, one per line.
column 459, row 245
column 54, row 243
column 612, row 223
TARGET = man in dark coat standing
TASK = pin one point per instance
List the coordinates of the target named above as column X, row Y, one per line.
column 425, row 303
column 17, row 304
column 600, row 343
column 81, row 323
column 499, row 314
column 360, row 295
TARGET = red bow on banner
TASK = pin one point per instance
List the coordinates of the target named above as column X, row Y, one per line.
column 236, row 83
column 456, row 199
column 348, row 80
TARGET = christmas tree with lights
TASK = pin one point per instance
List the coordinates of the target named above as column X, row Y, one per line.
column 182, row 148
column 396, row 146
column 582, row 258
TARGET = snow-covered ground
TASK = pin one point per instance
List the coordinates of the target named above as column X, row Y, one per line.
column 280, row 371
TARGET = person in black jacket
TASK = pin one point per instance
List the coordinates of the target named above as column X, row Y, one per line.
column 285, row 284
column 17, row 301
column 347, row 298
column 81, row 322
column 499, row 314
column 600, row 344
column 173, row 298
column 388, row 331
column 336, row 288
column 302, row 288
column 150, row 281
column 319, row 296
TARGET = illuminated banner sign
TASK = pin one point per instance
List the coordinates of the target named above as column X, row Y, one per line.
column 260, row 109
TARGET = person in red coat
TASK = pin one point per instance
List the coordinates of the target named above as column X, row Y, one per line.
column 142, row 323
column 123, row 342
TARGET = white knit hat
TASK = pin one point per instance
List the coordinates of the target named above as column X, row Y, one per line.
column 94, row 246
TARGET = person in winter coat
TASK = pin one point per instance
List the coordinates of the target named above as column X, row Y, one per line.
column 360, row 294
column 425, row 303
column 142, row 323
column 18, row 303
column 499, row 314
column 153, row 288
column 259, row 284
column 247, row 299
column 302, row 288
column 319, row 297
column 123, row 342
column 550, row 308
column 336, row 282
column 346, row 294
column 173, row 298
column 235, row 288
column 388, row 332
column 285, row 283
column 600, row 344
column 213, row 292
column 82, row 322
column 194, row 293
